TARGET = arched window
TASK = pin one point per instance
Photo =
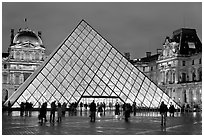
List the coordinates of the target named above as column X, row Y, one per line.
column 183, row 77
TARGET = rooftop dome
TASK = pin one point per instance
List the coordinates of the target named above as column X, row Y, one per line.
column 27, row 36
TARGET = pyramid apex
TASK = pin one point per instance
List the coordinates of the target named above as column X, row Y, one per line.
column 83, row 20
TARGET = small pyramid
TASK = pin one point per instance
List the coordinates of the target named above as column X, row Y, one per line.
column 86, row 65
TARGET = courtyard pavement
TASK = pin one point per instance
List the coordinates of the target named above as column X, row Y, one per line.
column 141, row 124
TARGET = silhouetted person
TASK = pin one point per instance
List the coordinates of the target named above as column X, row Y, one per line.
column 117, row 108
column 171, row 110
column 26, row 108
column 134, row 108
column 100, row 109
column 30, row 108
column 104, row 108
column 21, row 109
column 81, row 105
column 93, row 111
column 59, row 113
column 43, row 112
column 110, row 105
column 127, row 110
column 52, row 112
column 64, row 107
column 163, row 111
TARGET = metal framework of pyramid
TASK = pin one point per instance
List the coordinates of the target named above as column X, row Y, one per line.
column 86, row 65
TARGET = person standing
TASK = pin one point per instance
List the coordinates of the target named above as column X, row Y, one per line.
column 163, row 111
column 22, row 109
column 59, row 113
column 100, row 109
column 104, row 108
column 64, row 107
column 52, row 112
column 30, row 108
column 93, row 111
column 127, row 110
column 43, row 112
column 171, row 110
column 117, row 109
column 134, row 108
column 26, row 108
column 81, row 106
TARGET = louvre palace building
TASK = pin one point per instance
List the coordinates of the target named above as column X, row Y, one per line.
column 177, row 67
column 25, row 54
column 86, row 67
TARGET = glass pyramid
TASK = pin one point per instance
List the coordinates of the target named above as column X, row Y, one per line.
column 86, row 66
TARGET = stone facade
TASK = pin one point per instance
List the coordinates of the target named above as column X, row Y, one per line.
column 25, row 53
column 178, row 68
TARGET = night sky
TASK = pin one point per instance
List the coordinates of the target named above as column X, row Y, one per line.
column 130, row 27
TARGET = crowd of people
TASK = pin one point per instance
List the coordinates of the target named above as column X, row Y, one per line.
column 124, row 110
column 59, row 108
column 26, row 108
column 163, row 111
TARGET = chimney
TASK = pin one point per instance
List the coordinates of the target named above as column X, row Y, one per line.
column 127, row 55
column 12, row 36
column 148, row 54
column 159, row 51
column 40, row 34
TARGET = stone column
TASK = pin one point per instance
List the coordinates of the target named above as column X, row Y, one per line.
column 188, row 95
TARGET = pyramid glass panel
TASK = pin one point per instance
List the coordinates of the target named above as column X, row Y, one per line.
column 85, row 66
